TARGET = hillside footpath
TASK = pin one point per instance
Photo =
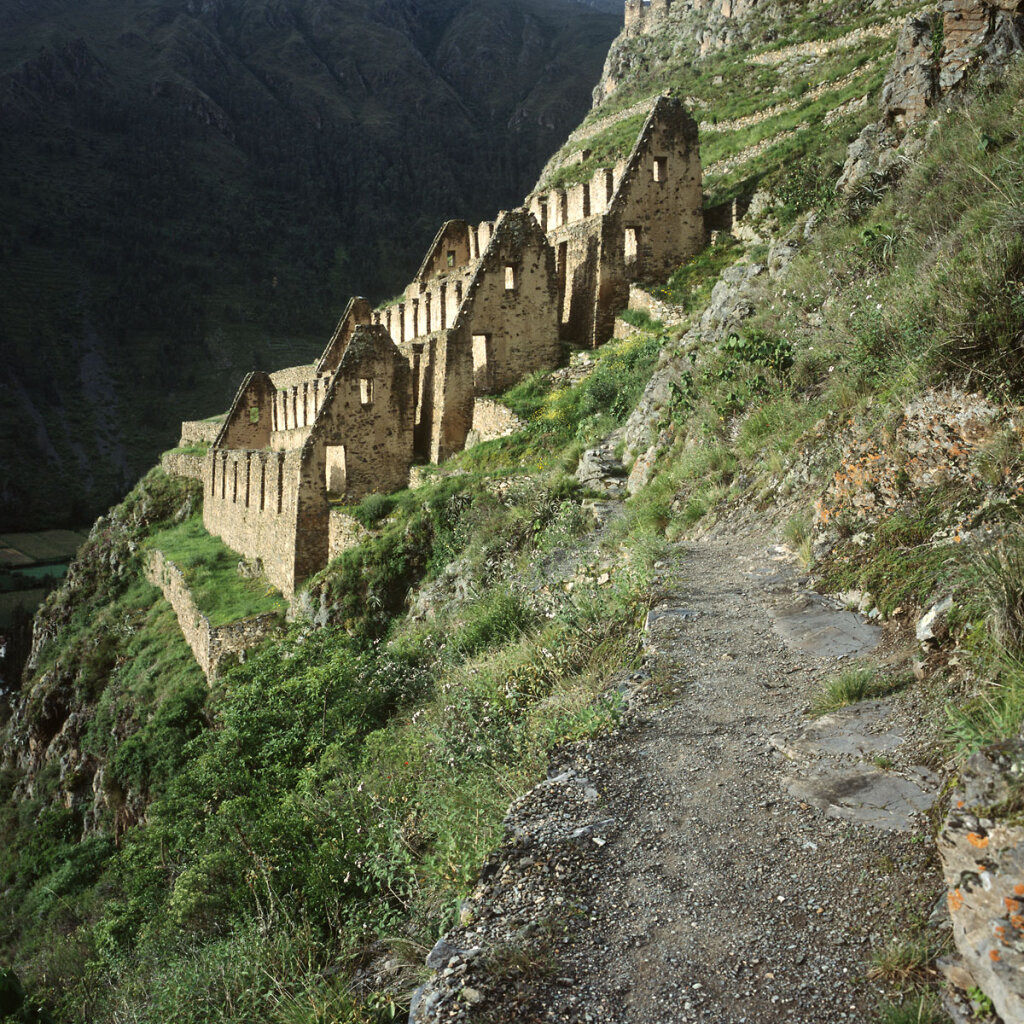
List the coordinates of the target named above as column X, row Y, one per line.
column 718, row 858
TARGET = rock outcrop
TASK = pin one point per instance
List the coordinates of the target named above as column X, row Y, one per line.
column 982, row 851
column 936, row 52
column 912, row 82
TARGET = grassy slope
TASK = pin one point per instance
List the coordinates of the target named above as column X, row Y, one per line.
column 726, row 85
column 358, row 773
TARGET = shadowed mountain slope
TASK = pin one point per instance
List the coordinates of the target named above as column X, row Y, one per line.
column 191, row 188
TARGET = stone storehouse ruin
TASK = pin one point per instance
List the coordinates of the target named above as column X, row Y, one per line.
column 634, row 222
column 402, row 383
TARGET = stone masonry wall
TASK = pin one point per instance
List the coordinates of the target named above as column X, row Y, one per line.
column 250, row 501
column 180, row 464
column 635, row 222
column 344, row 532
column 358, row 311
column 661, row 196
column 368, row 412
column 198, row 432
column 491, row 420
column 210, row 645
column 249, row 421
column 512, row 307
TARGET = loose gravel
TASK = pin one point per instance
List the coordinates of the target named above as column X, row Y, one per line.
column 662, row 874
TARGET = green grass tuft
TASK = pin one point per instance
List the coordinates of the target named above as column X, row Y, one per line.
column 860, row 682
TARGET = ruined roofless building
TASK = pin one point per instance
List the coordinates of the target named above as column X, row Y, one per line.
column 392, row 387
column 398, row 384
column 631, row 223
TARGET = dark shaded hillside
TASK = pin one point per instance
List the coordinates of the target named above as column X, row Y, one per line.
column 191, row 188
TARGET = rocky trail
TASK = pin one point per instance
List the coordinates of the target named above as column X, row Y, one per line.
column 721, row 857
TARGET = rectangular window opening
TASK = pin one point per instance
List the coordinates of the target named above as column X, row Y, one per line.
column 336, row 470
column 631, row 244
column 660, row 169
column 451, row 258
column 254, row 414
column 481, row 361
column 586, row 200
column 365, row 391
column 510, row 277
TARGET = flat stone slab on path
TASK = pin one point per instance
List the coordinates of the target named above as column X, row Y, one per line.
column 806, row 623
column 869, row 796
column 715, row 896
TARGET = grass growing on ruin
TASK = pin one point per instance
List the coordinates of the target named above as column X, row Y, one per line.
column 210, row 568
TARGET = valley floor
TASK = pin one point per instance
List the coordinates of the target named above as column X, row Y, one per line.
column 679, row 871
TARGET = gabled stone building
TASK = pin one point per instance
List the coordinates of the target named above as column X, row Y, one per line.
column 393, row 386
column 636, row 221
column 400, row 384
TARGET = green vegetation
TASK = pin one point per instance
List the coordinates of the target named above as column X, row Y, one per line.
column 690, row 286
column 210, row 569
column 190, row 449
column 356, row 774
column 638, row 318
column 861, row 682
column 915, row 1009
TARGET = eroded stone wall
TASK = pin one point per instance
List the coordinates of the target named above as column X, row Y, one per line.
column 511, row 313
column 491, row 420
column 650, row 223
column 211, row 645
column 344, row 532
column 198, row 432
column 250, row 501
column 180, row 464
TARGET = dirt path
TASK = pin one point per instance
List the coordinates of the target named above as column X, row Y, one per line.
column 668, row 872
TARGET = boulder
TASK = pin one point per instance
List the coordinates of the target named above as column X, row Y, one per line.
column 598, row 470
column 933, row 626
column 871, row 155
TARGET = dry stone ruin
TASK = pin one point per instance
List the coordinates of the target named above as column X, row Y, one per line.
column 406, row 383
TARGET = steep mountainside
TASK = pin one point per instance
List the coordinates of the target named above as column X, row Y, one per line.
column 744, row 585
column 192, row 189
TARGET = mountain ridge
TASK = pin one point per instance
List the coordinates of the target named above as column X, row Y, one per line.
column 202, row 185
